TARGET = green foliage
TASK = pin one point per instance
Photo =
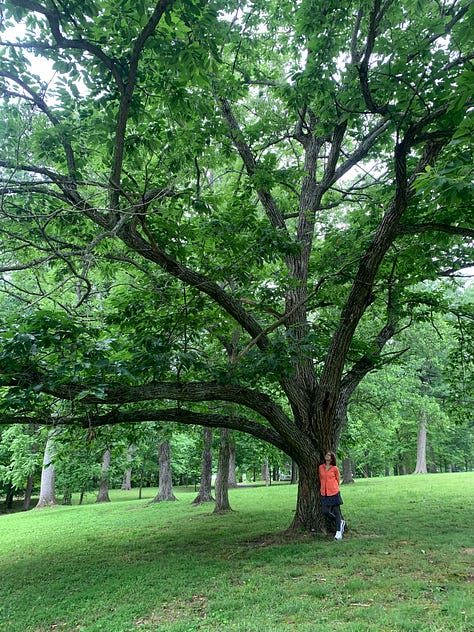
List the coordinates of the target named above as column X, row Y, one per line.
column 257, row 194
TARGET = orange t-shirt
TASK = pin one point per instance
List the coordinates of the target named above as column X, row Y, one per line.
column 329, row 480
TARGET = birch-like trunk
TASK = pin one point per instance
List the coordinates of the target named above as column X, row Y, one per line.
column 421, row 445
column 47, row 496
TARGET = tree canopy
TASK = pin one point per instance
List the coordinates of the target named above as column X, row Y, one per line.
column 221, row 213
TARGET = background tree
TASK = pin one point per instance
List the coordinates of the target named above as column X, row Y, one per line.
column 47, row 495
column 205, row 487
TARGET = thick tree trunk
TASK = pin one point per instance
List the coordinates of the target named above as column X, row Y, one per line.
column 205, row 489
column 308, row 515
column 103, row 494
column 421, row 445
column 165, row 486
column 222, row 479
column 47, row 496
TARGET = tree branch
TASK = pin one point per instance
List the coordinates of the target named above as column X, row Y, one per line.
column 415, row 229
column 172, row 415
column 271, row 208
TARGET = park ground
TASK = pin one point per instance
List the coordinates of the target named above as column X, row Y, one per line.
column 405, row 564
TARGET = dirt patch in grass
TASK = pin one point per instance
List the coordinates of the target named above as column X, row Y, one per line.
column 175, row 610
column 281, row 537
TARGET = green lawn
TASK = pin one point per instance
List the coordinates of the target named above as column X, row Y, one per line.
column 406, row 563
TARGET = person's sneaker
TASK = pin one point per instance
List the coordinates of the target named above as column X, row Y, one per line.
column 338, row 535
column 343, row 524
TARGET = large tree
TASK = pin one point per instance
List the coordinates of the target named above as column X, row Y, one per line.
column 272, row 168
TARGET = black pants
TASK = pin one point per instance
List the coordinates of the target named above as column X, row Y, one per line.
column 333, row 512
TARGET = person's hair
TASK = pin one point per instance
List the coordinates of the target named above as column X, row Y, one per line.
column 333, row 457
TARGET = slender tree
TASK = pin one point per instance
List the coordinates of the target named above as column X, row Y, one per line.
column 222, row 479
column 205, row 488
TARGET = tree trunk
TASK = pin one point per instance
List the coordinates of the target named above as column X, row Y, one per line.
column 308, row 515
column 222, row 479
column 28, row 492
column 205, row 489
column 165, row 486
column 266, row 473
column 347, row 477
column 103, row 495
column 232, row 474
column 421, row 445
column 9, row 494
column 294, row 472
column 127, row 477
column 47, row 496
column 432, row 462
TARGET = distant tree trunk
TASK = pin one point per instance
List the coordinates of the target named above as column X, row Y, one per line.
column 127, row 481
column 294, row 472
column 347, row 477
column 266, row 472
column 28, row 492
column 222, row 479
column 432, row 462
column 232, row 474
column 165, row 485
column 30, row 481
column 205, row 489
column 103, row 495
column 127, row 477
column 421, row 445
column 47, row 496
column 10, row 492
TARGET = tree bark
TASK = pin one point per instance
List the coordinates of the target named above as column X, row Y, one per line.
column 28, row 492
column 266, row 472
column 232, row 473
column 308, row 514
column 47, row 496
column 205, row 489
column 127, row 477
column 165, row 486
column 294, row 472
column 222, row 479
column 421, row 445
column 103, row 494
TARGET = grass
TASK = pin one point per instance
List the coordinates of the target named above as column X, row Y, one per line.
column 406, row 563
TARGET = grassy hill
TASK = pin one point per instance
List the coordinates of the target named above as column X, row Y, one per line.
column 406, row 563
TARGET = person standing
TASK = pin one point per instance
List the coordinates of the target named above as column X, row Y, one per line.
column 331, row 501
